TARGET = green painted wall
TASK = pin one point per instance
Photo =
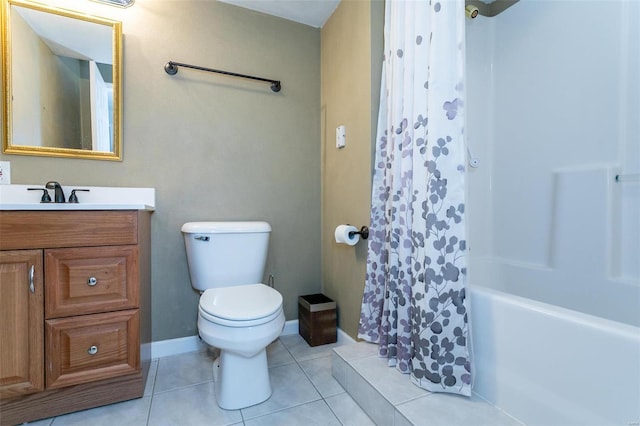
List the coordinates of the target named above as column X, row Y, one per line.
column 351, row 66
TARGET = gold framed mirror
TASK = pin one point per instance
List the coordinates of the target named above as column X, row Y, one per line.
column 61, row 82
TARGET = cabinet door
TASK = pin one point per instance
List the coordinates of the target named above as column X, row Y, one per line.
column 21, row 323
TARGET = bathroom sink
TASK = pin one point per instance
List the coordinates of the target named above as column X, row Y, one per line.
column 17, row 197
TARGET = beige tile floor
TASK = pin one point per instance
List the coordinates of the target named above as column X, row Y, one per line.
column 180, row 391
column 308, row 389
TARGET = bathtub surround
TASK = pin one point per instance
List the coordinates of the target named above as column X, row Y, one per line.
column 414, row 303
column 552, row 113
column 549, row 221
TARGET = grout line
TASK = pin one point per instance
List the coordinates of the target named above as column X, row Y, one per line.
column 241, row 416
column 283, row 409
column 316, row 388
column 149, row 410
column 311, row 381
column 399, row 413
column 333, row 412
column 321, row 397
column 190, row 385
column 155, row 377
column 153, row 388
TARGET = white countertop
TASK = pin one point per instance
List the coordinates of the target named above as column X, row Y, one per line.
column 17, row 197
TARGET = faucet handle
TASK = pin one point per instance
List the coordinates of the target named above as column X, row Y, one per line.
column 45, row 195
column 73, row 198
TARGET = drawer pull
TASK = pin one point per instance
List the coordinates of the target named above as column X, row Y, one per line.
column 92, row 281
column 92, row 350
column 32, row 272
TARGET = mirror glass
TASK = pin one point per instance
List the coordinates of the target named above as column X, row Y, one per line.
column 61, row 82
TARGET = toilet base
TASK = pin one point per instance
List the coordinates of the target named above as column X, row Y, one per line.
column 241, row 382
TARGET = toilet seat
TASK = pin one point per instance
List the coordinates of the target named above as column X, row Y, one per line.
column 240, row 306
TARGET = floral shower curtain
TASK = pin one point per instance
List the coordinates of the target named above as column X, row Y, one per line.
column 414, row 303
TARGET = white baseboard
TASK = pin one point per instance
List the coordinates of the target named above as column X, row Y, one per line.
column 183, row 345
column 344, row 338
column 290, row 327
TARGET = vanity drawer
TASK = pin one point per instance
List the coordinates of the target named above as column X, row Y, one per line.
column 52, row 229
column 87, row 280
column 91, row 347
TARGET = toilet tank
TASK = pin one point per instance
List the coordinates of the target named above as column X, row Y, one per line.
column 223, row 254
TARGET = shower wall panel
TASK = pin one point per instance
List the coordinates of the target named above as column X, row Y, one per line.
column 553, row 107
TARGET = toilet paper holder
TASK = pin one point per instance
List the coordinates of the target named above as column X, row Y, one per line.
column 363, row 232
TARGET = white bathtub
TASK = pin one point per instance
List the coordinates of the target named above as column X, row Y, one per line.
column 548, row 365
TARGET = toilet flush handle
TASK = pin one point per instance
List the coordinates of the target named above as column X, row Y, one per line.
column 202, row 238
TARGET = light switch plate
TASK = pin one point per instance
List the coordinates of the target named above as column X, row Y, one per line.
column 5, row 172
column 341, row 137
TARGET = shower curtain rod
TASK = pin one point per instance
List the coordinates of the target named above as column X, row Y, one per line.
column 171, row 68
column 491, row 9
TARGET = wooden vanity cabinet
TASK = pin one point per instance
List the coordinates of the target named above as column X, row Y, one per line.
column 75, row 310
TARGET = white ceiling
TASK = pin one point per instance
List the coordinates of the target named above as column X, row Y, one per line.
column 309, row 12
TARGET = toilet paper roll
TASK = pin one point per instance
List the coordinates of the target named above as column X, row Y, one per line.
column 342, row 235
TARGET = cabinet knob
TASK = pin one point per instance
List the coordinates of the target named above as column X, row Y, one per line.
column 92, row 350
column 92, row 281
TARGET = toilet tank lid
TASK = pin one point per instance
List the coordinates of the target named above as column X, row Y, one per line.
column 225, row 227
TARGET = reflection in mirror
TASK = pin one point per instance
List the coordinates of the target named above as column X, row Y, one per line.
column 121, row 3
column 61, row 82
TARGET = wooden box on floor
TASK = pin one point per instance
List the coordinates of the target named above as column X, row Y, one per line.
column 317, row 319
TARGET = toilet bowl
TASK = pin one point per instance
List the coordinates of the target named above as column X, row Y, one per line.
column 236, row 313
column 241, row 328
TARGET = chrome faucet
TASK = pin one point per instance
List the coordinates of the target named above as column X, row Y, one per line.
column 59, row 193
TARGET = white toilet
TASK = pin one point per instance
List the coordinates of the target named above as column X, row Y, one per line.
column 236, row 313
